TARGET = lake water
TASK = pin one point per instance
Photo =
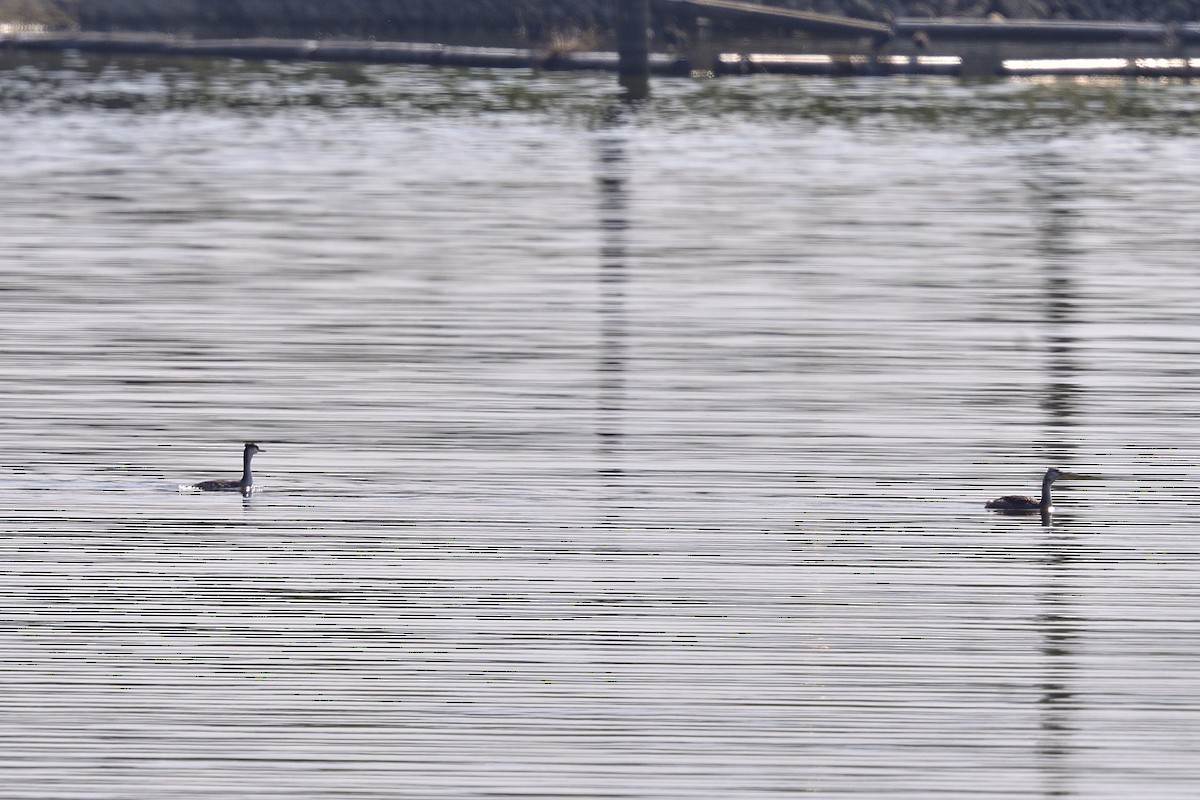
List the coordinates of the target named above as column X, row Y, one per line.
column 608, row 452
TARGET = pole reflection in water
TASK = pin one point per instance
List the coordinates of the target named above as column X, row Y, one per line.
column 1060, row 639
column 611, row 179
column 1052, row 195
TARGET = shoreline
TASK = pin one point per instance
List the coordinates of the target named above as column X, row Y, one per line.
column 714, row 37
column 540, row 23
column 980, row 63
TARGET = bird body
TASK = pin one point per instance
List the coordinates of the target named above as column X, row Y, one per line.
column 244, row 485
column 1012, row 503
column 1021, row 504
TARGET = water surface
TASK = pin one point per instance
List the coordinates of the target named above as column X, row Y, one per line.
column 608, row 452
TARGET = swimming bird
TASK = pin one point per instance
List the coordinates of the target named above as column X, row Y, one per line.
column 1019, row 504
column 244, row 485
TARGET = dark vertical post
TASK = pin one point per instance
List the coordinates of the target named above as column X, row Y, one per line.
column 633, row 46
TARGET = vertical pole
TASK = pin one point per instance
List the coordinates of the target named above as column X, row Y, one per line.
column 633, row 46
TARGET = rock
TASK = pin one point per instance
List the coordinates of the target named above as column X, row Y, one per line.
column 923, row 9
column 972, row 9
column 865, row 9
column 1172, row 11
column 831, row 7
column 1023, row 9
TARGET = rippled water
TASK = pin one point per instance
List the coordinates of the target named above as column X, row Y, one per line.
column 607, row 453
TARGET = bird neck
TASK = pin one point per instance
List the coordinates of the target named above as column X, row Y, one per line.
column 1046, row 482
column 246, row 478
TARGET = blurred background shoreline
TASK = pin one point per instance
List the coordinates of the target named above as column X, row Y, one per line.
column 980, row 32
column 521, row 22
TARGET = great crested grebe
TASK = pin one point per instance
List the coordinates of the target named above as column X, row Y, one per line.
column 1019, row 504
column 244, row 485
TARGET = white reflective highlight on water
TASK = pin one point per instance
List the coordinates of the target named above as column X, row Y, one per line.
column 606, row 455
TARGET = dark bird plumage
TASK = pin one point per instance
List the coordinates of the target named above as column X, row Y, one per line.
column 244, row 485
column 1020, row 504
